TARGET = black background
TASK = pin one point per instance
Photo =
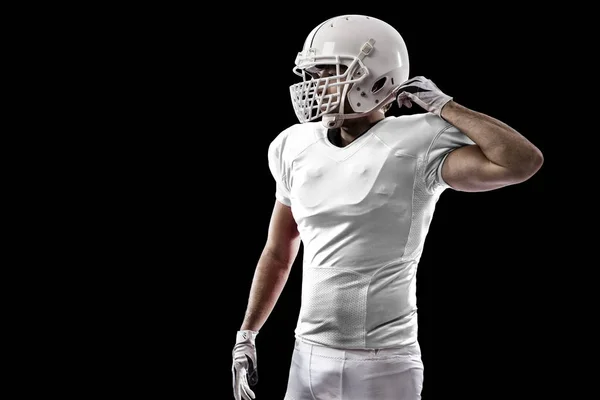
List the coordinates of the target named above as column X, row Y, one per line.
column 489, row 295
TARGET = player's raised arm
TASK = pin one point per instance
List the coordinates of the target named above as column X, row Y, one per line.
column 501, row 156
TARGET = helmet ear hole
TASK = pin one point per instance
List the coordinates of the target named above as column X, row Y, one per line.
column 377, row 86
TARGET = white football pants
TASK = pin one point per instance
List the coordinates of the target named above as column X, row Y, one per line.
column 323, row 373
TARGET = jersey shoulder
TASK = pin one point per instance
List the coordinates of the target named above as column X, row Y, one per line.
column 293, row 140
column 412, row 134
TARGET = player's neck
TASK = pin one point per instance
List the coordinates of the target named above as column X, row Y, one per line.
column 353, row 128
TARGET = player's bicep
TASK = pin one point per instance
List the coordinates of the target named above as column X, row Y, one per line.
column 467, row 169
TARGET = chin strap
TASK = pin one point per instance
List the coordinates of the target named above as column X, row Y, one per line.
column 332, row 121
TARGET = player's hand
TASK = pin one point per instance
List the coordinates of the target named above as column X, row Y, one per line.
column 424, row 92
column 244, row 365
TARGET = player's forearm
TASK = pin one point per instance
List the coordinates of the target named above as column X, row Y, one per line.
column 500, row 143
column 269, row 280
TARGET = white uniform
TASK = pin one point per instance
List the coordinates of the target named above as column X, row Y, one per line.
column 363, row 212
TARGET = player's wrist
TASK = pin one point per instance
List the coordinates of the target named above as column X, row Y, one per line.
column 447, row 109
column 245, row 335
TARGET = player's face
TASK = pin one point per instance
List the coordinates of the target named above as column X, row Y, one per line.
column 324, row 71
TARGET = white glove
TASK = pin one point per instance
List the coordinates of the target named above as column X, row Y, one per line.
column 423, row 92
column 244, row 365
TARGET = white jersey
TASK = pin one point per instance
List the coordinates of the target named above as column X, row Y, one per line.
column 363, row 212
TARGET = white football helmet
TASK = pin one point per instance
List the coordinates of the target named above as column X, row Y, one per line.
column 376, row 61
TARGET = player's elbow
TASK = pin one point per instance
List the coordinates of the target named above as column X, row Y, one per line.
column 537, row 160
column 283, row 252
column 528, row 167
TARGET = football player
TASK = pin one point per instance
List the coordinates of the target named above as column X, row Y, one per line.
column 359, row 189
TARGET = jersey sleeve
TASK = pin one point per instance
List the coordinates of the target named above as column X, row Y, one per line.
column 448, row 139
column 278, row 170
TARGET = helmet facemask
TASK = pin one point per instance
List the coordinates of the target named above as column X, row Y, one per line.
column 310, row 97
